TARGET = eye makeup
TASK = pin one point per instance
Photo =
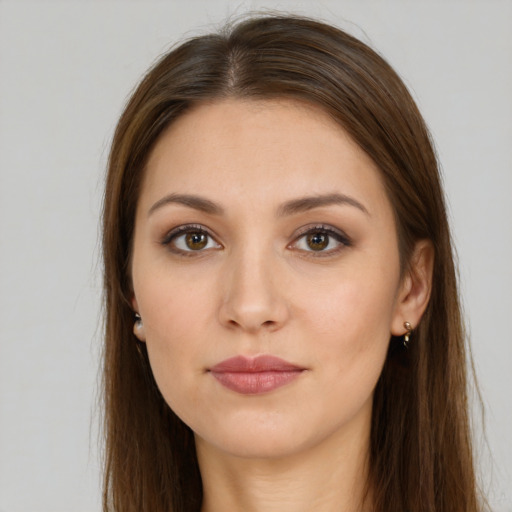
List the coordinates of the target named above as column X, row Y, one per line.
column 320, row 240
column 189, row 240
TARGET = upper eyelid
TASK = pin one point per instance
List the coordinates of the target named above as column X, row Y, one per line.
column 183, row 229
column 340, row 236
column 320, row 227
column 169, row 241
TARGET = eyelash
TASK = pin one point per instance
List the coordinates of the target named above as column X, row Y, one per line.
column 174, row 234
column 341, row 238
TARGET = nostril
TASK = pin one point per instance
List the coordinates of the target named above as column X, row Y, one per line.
column 252, row 307
column 253, row 326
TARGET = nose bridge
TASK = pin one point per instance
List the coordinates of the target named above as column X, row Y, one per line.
column 253, row 298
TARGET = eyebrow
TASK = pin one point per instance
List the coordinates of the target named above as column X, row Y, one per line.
column 195, row 202
column 292, row 207
column 304, row 204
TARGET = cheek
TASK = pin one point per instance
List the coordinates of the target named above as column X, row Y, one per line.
column 350, row 331
column 177, row 317
column 173, row 303
column 351, row 318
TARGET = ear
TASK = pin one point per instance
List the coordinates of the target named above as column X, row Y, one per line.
column 415, row 288
column 133, row 302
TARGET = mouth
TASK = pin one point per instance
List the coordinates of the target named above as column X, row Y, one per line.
column 254, row 376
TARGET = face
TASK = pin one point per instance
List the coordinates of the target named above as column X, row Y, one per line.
column 266, row 271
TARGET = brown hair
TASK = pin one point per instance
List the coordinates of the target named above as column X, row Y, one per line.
column 420, row 447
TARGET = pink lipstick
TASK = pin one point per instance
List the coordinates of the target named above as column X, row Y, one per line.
column 252, row 376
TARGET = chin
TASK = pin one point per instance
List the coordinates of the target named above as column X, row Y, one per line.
column 257, row 444
column 272, row 435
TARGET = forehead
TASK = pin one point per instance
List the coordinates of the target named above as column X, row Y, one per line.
column 262, row 151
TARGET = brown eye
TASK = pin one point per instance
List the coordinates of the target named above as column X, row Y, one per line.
column 196, row 241
column 317, row 241
column 322, row 241
column 190, row 239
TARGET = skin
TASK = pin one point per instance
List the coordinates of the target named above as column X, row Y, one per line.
column 257, row 287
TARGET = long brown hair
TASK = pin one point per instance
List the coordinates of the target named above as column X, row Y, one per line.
column 420, row 446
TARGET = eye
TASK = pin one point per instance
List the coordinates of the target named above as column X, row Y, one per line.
column 189, row 239
column 321, row 239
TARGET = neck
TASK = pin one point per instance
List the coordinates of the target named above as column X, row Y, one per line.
column 329, row 477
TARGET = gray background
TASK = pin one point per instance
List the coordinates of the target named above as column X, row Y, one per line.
column 66, row 69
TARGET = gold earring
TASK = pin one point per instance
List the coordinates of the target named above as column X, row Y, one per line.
column 407, row 335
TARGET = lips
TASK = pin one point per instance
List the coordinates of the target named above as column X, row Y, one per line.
column 252, row 376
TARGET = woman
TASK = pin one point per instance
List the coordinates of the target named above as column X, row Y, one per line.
column 282, row 321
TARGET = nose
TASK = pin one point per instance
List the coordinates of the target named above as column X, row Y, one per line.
column 254, row 293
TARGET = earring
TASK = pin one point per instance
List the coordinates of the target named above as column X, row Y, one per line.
column 407, row 335
column 138, row 328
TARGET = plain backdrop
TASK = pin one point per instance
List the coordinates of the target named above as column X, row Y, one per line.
column 66, row 69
